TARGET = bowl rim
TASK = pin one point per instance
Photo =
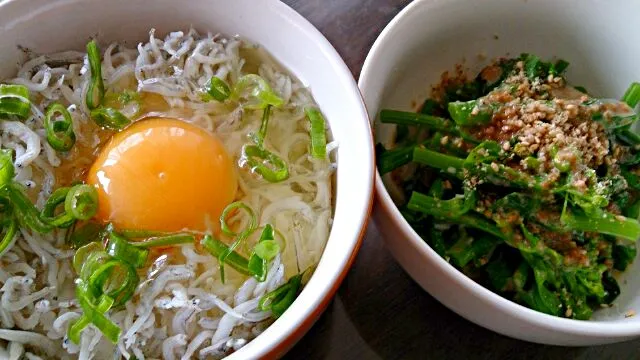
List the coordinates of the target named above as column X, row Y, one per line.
column 279, row 340
column 607, row 328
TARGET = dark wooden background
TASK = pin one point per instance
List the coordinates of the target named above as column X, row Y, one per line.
column 379, row 312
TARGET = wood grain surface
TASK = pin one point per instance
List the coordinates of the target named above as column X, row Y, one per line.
column 379, row 312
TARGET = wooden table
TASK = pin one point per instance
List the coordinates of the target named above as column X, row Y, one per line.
column 379, row 312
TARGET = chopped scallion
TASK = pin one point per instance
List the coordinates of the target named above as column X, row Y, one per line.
column 94, row 311
column 121, row 249
column 95, row 91
column 14, row 101
column 82, row 202
column 58, row 197
column 109, row 118
column 216, row 248
column 254, row 92
column 167, row 240
column 7, row 170
column 267, row 164
column 317, row 132
column 217, row 89
column 60, row 133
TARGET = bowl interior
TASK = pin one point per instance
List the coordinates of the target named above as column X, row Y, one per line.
column 49, row 26
column 591, row 36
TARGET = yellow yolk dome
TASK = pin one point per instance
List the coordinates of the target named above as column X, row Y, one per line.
column 163, row 175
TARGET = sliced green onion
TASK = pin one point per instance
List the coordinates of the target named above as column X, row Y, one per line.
column 26, row 212
column 81, row 255
column 115, row 279
column 216, row 248
column 64, row 219
column 139, row 234
column 109, row 118
column 267, row 250
column 255, row 93
column 121, row 249
column 92, row 262
column 240, row 236
column 632, row 96
column 267, row 164
column 317, row 132
column 168, row 240
column 279, row 300
column 95, row 314
column 82, row 202
column 105, row 303
column 238, row 205
column 60, row 133
column 95, row 91
column 262, row 133
column 218, row 89
column 14, row 100
column 82, row 234
column 7, row 170
column 9, row 237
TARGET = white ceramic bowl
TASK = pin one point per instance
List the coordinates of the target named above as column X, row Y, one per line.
column 49, row 26
column 431, row 36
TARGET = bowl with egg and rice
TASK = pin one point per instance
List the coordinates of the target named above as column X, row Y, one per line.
column 178, row 180
column 526, row 114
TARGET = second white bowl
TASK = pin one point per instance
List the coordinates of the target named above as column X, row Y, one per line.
column 431, row 36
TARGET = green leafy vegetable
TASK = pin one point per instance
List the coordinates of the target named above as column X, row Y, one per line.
column 519, row 207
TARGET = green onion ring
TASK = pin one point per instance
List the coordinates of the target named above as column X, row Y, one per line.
column 82, row 202
column 7, row 170
column 125, row 277
column 317, row 132
column 121, row 249
column 168, row 240
column 83, row 321
column 218, row 89
column 267, row 164
column 14, row 100
column 109, row 118
column 57, row 198
column 60, row 133
column 93, row 262
column 95, row 91
column 26, row 212
column 9, row 237
column 256, row 92
column 81, row 255
column 224, row 226
column 95, row 315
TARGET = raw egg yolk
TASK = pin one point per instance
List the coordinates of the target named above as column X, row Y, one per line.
column 163, row 175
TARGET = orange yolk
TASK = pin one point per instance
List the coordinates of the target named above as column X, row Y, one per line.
column 163, row 175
